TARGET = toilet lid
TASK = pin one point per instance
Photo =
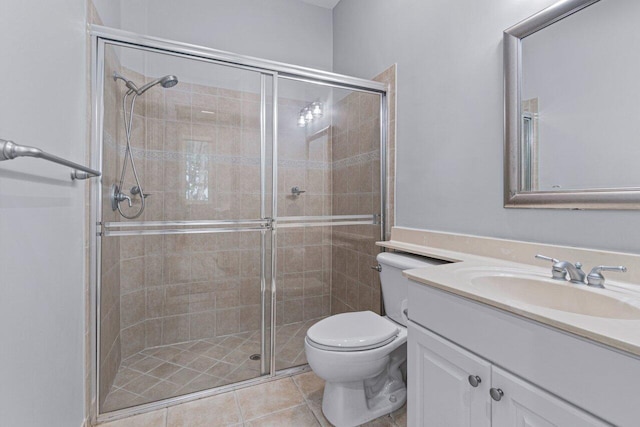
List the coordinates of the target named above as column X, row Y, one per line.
column 353, row 331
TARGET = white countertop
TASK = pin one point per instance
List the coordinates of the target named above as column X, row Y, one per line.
column 621, row 334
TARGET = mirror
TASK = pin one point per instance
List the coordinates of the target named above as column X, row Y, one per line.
column 572, row 80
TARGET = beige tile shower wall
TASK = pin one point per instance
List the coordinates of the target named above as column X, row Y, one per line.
column 179, row 288
column 356, row 191
column 304, row 254
column 110, row 339
column 304, row 274
column 212, row 132
column 185, row 287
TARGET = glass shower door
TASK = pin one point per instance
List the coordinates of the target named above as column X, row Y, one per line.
column 328, row 209
column 184, row 295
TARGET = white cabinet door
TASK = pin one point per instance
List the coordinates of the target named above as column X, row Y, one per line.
column 524, row 405
column 440, row 393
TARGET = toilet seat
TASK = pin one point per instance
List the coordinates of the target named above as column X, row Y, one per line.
column 363, row 330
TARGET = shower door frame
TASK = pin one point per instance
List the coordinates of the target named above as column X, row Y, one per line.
column 101, row 36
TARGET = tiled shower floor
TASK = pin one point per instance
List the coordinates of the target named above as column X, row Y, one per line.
column 172, row 370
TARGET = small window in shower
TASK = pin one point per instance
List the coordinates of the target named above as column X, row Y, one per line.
column 197, row 171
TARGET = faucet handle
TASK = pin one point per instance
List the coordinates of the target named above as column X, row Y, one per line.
column 557, row 273
column 595, row 277
column 546, row 258
column 296, row 191
column 121, row 197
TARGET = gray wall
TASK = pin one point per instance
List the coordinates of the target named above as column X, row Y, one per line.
column 450, row 117
column 281, row 30
column 43, row 87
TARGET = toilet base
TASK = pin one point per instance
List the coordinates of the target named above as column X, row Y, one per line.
column 349, row 404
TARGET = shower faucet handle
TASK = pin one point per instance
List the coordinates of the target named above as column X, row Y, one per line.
column 136, row 190
column 121, row 197
column 296, row 191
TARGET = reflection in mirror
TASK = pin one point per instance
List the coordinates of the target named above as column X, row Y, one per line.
column 580, row 75
column 529, row 149
column 571, row 107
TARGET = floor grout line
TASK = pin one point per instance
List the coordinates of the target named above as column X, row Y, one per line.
column 238, row 407
column 306, row 401
column 280, row 411
column 166, row 417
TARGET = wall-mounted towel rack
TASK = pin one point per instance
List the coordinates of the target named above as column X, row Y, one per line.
column 10, row 150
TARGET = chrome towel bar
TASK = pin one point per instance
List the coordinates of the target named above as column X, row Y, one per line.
column 10, row 150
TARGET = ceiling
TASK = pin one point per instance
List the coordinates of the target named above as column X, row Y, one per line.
column 327, row 4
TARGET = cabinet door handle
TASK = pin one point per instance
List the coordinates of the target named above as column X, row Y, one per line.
column 474, row 380
column 496, row 394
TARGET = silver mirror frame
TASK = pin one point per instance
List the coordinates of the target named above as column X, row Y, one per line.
column 514, row 197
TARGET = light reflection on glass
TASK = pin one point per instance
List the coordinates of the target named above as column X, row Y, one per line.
column 197, row 171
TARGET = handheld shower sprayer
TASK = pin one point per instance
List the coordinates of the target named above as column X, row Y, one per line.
column 165, row 81
column 117, row 195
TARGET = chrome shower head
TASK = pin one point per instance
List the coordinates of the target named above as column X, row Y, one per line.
column 166, row 82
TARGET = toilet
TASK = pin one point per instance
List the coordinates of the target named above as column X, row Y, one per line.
column 361, row 355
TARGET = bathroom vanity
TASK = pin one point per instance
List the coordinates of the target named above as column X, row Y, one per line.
column 481, row 354
column 474, row 365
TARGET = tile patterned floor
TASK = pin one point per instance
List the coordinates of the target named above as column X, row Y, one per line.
column 168, row 371
column 289, row 402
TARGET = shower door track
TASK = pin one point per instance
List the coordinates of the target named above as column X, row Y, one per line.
column 100, row 36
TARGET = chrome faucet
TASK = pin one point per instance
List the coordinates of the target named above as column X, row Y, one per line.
column 576, row 275
column 560, row 270
column 594, row 279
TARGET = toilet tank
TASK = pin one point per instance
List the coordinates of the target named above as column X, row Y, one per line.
column 395, row 286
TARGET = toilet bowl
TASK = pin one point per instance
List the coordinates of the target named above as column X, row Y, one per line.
column 361, row 355
column 360, row 383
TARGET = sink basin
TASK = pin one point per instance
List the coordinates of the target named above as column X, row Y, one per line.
column 537, row 290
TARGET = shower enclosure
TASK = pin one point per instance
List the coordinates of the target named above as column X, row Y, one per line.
column 253, row 213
